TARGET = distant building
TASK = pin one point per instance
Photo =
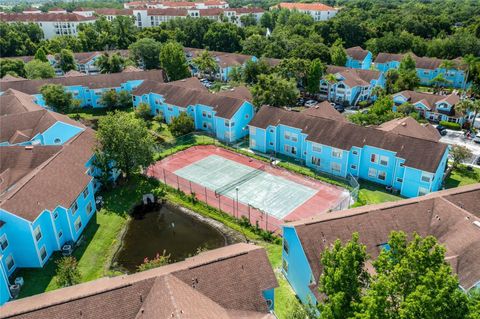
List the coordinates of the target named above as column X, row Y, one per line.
column 452, row 216
column 352, row 86
column 177, row 4
column 224, row 114
column 52, row 23
column 427, row 68
column 433, row 107
column 358, row 58
column 318, row 11
column 412, row 164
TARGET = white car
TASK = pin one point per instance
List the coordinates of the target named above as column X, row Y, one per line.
column 310, row 103
column 476, row 139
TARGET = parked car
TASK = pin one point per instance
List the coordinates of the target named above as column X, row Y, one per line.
column 339, row 108
column 442, row 130
column 476, row 139
column 310, row 103
column 301, row 101
column 478, row 161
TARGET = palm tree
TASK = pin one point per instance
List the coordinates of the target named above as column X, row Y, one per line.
column 471, row 63
column 331, row 80
column 439, row 82
column 205, row 63
column 466, row 106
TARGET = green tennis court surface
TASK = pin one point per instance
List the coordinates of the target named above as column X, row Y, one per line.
column 273, row 194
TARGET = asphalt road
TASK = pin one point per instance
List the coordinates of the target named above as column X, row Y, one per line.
column 457, row 138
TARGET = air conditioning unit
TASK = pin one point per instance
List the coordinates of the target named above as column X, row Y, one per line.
column 14, row 291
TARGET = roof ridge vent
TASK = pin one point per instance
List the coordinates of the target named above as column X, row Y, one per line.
column 477, row 223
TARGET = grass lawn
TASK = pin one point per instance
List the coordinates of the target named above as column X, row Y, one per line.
column 370, row 193
column 101, row 238
column 461, row 177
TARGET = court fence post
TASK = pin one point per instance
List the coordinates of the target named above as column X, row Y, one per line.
column 249, row 220
column 266, row 221
column 164, row 177
column 206, row 197
column 178, row 184
column 219, row 203
column 190, row 182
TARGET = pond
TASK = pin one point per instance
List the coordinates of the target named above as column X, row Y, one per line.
column 179, row 233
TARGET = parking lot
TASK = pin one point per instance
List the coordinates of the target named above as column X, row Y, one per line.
column 458, row 138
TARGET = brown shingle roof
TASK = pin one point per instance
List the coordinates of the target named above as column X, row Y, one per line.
column 418, row 153
column 410, row 127
column 223, row 283
column 427, row 215
column 357, row 53
column 91, row 81
column 431, row 100
column 181, row 96
column 224, row 59
column 324, row 110
column 305, row 6
column 420, row 62
column 354, row 77
column 190, row 83
column 114, row 12
column 468, row 200
column 239, row 92
column 57, row 182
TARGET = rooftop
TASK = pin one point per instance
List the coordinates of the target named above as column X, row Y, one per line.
column 225, row 283
column 410, row 127
column 44, row 17
column 421, row 62
column 354, row 77
column 306, row 6
column 357, row 53
column 436, row 214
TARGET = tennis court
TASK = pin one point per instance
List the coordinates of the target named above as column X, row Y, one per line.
column 217, row 176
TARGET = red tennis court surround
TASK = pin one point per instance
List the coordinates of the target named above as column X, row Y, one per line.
column 327, row 197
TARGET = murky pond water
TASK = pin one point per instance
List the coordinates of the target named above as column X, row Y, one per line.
column 169, row 229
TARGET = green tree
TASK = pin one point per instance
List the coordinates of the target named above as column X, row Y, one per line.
column 223, row 37
column 274, row 90
column 36, row 69
column 126, row 141
column 294, row 68
column 41, row 55
column 252, row 69
column 254, row 45
column 466, row 106
column 412, row 280
column 474, row 303
column 103, row 168
column 407, row 74
column 343, row 278
column 67, row 273
column 14, row 67
column 314, row 74
column 124, row 30
column 459, row 154
column 181, row 125
column 107, row 63
column 173, row 61
column 158, row 261
column 205, row 63
column 338, row 54
column 248, row 20
column 146, row 51
column 380, row 112
column 143, row 111
column 66, row 60
column 57, row 98
column 113, row 100
column 331, row 79
column 439, row 82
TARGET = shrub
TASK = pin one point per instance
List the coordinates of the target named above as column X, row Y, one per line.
column 67, row 271
column 159, row 260
column 452, row 126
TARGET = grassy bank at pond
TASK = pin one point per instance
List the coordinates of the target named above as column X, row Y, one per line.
column 462, row 176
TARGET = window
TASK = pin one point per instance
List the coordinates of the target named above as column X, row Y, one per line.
column 426, row 178
column 285, row 266
column 355, row 152
column 291, row 149
column 89, row 208
column 78, row 224
column 57, row 141
column 37, row 233
column 204, row 114
column 252, row 143
column 336, row 167
column 85, row 192
column 60, row 234
column 170, row 108
column 287, row 135
column 74, row 208
column 252, row 130
column 422, row 191
column 247, row 116
column 317, row 148
column 336, row 153
column 271, row 130
column 55, row 215
column 382, row 175
column 271, row 143
column 372, row 172
column 400, row 180
column 384, row 160
column 373, row 158
column 315, row 161
column 353, row 166
column 402, row 164
column 9, row 262
column 3, row 242
column 294, row 137
column 285, row 246
column 43, row 253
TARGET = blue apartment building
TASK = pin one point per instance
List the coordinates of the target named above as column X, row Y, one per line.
column 352, row 86
column 427, row 69
column 442, row 215
column 433, row 107
column 88, row 89
column 225, row 115
column 47, row 186
column 358, row 58
column 411, row 165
